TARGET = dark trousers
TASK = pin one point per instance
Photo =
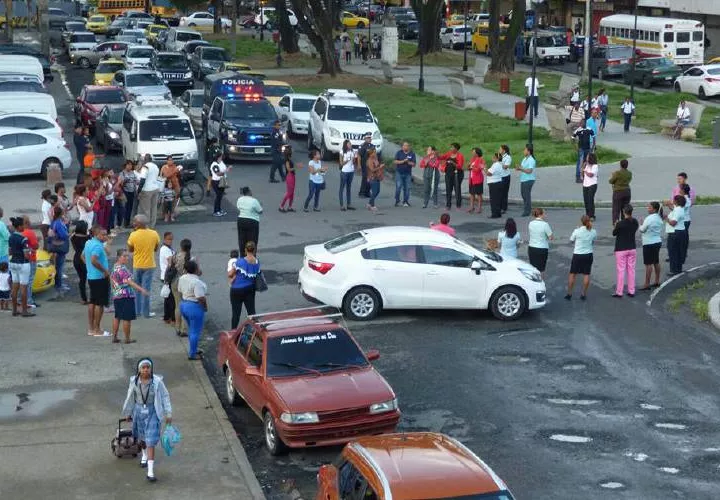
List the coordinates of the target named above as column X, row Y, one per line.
column 364, row 185
column 626, row 121
column 81, row 271
column 675, row 246
column 589, row 199
column 449, row 186
column 497, row 190
column 687, row 241
column 505, row 193
column 526, row 193
column 219, row 193
column 346, row 179
column 238, row 297
column 277, row 165
column 431, row 179
column 248, row 230
column 619, row 200
column 459, row 176
column 129, row 205
column 532, row 101
column 169, row 308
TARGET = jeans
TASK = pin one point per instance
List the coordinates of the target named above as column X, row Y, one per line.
column 129, row 205
column 431, row 180
column 374, row 191
column 589, row 199
column 532, row 101
column 505, row 193
column 219, row 193
column 248, row 230
column 59, row 268
column 497, row 190
column 603, row 116
column 81, row 271
column 449, row 185
column 582, row 155
column 525, row 192
column 626, row 121
column 313, row 191
column 402, row 183
column 346, row 179
column 33, row 269
column 238, row 297
column 277, row 165
column 143, row 277
column 194, row 314
column 625, row 262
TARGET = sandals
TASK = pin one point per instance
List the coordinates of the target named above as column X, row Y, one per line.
column 115, row 340
column 131, row 341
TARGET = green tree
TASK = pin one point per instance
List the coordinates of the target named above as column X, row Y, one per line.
column 316, row 20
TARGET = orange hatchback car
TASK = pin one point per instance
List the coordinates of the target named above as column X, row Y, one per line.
column 306, row 377
column 412, row 466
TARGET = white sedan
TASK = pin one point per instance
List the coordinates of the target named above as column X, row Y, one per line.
column 294, row 110
column 25, row 151
column 416, row 268
column 203, row 19
column 703, row 81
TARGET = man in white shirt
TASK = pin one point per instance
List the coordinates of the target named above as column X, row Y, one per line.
column 682, row 118
column 628, row 110
column 532, row 85
column 149, row 190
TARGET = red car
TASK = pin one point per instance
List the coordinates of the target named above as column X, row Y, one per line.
column 306, row 377
column 93, row 99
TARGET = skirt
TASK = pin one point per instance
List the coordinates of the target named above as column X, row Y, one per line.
column 581, row 263
column 476, row 189
column 651, row 254
column 125, row 309
column 538, row 258
column 146, row 426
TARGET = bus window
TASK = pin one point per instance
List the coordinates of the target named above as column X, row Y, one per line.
column 669, row 36
column 697, row 36
column 683, row 37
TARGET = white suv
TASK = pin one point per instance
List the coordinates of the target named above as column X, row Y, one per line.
column 337, row 115
column 453, row 37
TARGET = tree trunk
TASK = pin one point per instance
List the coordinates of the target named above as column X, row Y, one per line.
column 430, row 28
column 288, row 37
column 316, row 22
column 8, row 18
column 217, row 23
column 502, row 52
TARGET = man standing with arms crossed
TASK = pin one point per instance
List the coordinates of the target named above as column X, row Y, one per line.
column 143, row 243
column 149, row 190
column 98, row 273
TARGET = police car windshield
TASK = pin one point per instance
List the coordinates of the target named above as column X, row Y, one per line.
column 302, row 105
column 143, row 80
column 165, row 130
column 171, row 61
column 350, row 114
column 214, row 55
column 249, row 110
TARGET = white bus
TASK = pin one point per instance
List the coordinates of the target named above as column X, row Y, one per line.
column 680, row 40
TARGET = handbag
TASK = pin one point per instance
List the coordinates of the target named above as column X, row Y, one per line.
column 260, row 282
column 56, row 245
column 223, row 183
column 322, row 186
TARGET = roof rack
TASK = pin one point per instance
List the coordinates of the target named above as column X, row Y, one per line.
column 327, row 312
column 347, row 93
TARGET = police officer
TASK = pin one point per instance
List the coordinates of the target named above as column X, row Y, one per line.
column 362, row 160
column 276, row 141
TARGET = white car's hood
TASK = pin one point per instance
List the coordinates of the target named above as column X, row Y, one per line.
column 168, row 147
column 355, row 130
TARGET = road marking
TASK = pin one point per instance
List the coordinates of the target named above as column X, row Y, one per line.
column 612, row 485
column 566, row 438
column 63, row 77
column 669, row 425
column 577, row 402
column 646, row 406
column 670, row 470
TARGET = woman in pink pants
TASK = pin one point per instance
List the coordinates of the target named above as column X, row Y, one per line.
column 290, row 168
column 625, row 252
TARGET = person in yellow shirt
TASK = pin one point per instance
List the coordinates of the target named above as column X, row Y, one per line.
column 143, row 242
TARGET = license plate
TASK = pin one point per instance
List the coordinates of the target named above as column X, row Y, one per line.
column 623, row 61
column 668, row 77
column 259, row 151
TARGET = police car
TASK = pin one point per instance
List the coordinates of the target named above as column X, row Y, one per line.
column 337, row 115
column 237, row 114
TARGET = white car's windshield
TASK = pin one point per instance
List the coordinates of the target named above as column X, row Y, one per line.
column 350, row 114
column 143, row 53
column 302, row 105
column 143, row 80
column 165, row 130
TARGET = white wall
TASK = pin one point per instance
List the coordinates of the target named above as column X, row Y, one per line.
column 689, row 6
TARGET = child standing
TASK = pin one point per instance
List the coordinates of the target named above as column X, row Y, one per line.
column 477, row 179
column 5, row 285
column 168, row 198
column 234, row 256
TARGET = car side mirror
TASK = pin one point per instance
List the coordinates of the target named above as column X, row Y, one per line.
column 284, row 118
column 252, row 371
column 376, row 121
column 373, row 354
column 476, row 266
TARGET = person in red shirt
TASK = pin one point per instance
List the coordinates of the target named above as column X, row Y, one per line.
column 477, row 179
column 33, row 243
column 444, row 225
column 453, row 162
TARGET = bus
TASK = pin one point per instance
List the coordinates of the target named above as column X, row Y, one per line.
column 117, row 7
column 680, row 40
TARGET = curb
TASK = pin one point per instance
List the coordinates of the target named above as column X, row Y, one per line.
column 698, row 271
column 228, row 432
column 714, row 310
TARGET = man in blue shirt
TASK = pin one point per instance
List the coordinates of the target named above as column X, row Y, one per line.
column 98, row 277
column 404, row 162
column 592, row 123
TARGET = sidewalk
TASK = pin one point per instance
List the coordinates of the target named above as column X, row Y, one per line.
column 62, row 393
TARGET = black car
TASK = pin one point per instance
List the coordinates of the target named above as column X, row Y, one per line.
column 108, row 128
column 409, row 30
column 120, row 23
column 174, row 69
column 189, row 47
column 207, row 60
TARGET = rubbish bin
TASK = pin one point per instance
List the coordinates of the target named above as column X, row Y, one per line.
column 505, row 85
column 519, row 110
column 716, row 132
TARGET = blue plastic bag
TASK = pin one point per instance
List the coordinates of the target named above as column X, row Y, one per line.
column 170, row 438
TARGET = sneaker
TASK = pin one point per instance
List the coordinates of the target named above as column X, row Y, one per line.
column 306, row 210
column 425, row 205
column 316, row 210
column 217, row 214
column 350, row 207
column 290, row 209
column 397, row 203
column 281, row 210
column 406, row 204
column 151, row 315
column 223, row 212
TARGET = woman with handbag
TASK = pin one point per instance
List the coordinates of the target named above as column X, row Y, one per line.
column 218, row 171
column 244, row 274
column 60, row 246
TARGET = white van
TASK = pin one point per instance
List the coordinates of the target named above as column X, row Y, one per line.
column 15, row 66
column 159, row 128
column 28, row 102
column 178, row 37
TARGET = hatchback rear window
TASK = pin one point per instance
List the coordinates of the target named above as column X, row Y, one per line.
column 105, row 97
column 619, row 53
column 346, row 242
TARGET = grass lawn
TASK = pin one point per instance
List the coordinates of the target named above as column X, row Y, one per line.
column 651, row 107
column 426, row 119
column 260, row 55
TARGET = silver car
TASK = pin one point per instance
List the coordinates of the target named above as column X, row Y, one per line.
column 141, row 82
column 191, row 102
column 91, row 57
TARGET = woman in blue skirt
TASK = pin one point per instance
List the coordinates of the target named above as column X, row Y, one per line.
column 147, row 400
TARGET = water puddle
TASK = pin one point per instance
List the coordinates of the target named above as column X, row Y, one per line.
column 670, row 470
column 568, row 438
column 32, row 404
column 670, row 426
column 573, row 402
column 612, row 485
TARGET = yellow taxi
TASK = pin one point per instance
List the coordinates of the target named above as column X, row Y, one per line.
column 274, row 90
column 234, row 66
column 106, row 70
column 98, row 24
column 481, row 37
column 152, row 32
column 456, row 20
column 45, row 273
column 714, row 60
column 350, row 20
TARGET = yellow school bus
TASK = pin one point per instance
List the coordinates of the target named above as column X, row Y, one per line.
column 481, row 37
column 117, row 7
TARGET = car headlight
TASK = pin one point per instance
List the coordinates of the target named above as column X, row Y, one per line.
column 532, row 275
column 101, row 80
column 309, row 417
column 232, row 135
column 192, row 155
column 188, row 74
column 384, row 407
column 376, row 135
column 114, row 135
column 206, row 65
column 334, row 132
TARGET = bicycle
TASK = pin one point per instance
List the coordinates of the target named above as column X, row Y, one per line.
column 192, row 191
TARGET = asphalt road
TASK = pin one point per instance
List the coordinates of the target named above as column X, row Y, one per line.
column 592, row 400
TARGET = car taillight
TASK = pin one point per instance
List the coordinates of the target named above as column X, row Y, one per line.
column 613, row 62
column 321, row 267
column 655, row 72
column 712, row 80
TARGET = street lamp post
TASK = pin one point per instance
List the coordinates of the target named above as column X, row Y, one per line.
column 465, row 66
column 262, row 22
column 278, row 58
column 421, row 48
column 590, row 48
column 533, row 76
column 632, row 73
column 369, row 21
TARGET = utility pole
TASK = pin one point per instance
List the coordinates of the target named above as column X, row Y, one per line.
column 465, row 40
column 233, row 37
column 533, row 76
column 632, row 73
column 421, row 47
column 43, row 26
column 588, row 37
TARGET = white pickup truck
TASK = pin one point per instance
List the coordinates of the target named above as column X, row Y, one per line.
column 548, row 50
